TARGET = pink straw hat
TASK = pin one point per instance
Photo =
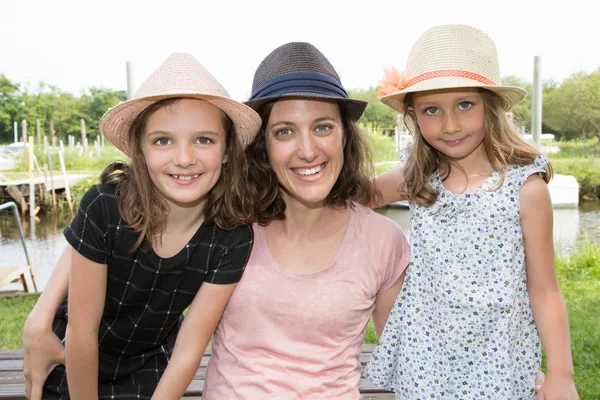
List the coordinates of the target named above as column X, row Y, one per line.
column 179, row 76
column 446, row 57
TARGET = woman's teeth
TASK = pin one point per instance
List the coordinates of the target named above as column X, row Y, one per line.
column 184, row 177
column 310, row 171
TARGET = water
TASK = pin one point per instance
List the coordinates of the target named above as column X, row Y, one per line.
column 45, row 241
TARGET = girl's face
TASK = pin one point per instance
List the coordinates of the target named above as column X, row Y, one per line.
column 305, row 147
column 184, row 147
column 452, row 121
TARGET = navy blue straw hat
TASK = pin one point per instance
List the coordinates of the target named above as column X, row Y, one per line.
column 299, row 69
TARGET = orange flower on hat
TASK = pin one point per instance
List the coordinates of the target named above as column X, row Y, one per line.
column 392, row 82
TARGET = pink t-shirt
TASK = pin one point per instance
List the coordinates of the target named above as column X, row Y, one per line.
column 298, row 336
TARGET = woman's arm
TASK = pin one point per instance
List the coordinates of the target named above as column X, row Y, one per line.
column 546, row 300
column 42, row 350
column 198, row 326
column 384, row 303
column 87, row 293
column 389, row 184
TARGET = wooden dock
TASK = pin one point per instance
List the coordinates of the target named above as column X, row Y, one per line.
column 12, row 383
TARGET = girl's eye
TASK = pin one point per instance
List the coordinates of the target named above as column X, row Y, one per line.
column 162, row 141
column 465, row 105
column 322, row 128
column 431, row 110
column 284, row 132
column 204, row 140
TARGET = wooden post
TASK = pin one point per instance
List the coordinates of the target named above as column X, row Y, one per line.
column 24, row 135
column 66, row 178
column 46, row 149
column 130, row 90
column 38, row 132
column 97, row 146
column 51, row 181
column 62, row 146
column 536, row 102
column 16, row 129
column 52, row 133
column 32, row 210
column 83, row 136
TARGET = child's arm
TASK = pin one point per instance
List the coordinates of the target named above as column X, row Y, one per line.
column 198, row 326
column 389, row 184
column 42, row 350
column 384, row 303
column 545, row 297
column 87, row 293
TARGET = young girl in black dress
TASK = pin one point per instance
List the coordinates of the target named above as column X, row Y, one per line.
column 159, row 234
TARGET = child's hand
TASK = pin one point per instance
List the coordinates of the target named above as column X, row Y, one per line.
column 42, row 352
column 557, row 387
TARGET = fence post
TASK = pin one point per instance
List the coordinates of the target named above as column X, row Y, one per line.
column 83, row 136
column 38, row 132
column 32, row 210
column 52, row 133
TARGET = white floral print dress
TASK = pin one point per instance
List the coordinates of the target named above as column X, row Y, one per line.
column 462, row 327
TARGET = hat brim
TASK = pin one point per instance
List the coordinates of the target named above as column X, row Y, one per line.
column 354, row 108
column 115, row 124
column 511, row 95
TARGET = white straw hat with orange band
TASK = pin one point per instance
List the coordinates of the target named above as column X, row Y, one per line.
column 446, row 57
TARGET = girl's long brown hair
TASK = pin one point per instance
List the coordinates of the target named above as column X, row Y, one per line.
column 502, row 144
column 143, row 208
column 353, row 183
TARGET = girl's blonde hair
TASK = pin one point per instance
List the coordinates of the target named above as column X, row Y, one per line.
column 143, row 208
column 502, row 144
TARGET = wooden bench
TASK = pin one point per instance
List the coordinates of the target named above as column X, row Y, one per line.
column 12, row 383
column 14, row 274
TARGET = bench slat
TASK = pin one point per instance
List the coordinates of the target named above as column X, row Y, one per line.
column 12, row 382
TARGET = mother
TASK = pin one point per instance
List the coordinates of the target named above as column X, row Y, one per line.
column 321, row 264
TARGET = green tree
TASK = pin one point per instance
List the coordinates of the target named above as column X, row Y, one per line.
column 11, row 108
column 376, row 113
column 573, row 108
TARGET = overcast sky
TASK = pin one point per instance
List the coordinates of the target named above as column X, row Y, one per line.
column 78, row 44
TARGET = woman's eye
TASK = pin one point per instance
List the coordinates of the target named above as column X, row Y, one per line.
column 162, row 141
column 465, row 105
column 284, row 132
column 204, row 140
column 430, row 110
column 322, row 128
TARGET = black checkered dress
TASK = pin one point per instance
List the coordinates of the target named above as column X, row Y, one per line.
column 145, row 295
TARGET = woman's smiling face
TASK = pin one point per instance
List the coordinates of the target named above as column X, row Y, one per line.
column 305, row 142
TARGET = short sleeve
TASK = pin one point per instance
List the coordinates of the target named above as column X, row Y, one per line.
column 538, row 166
column 87, row 232
column 396, row 256
column 234, row 257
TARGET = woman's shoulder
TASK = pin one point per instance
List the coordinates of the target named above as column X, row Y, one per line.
column 370, row 226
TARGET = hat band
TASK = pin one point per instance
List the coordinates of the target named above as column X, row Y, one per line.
column 445, row 73
column 300, row 82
